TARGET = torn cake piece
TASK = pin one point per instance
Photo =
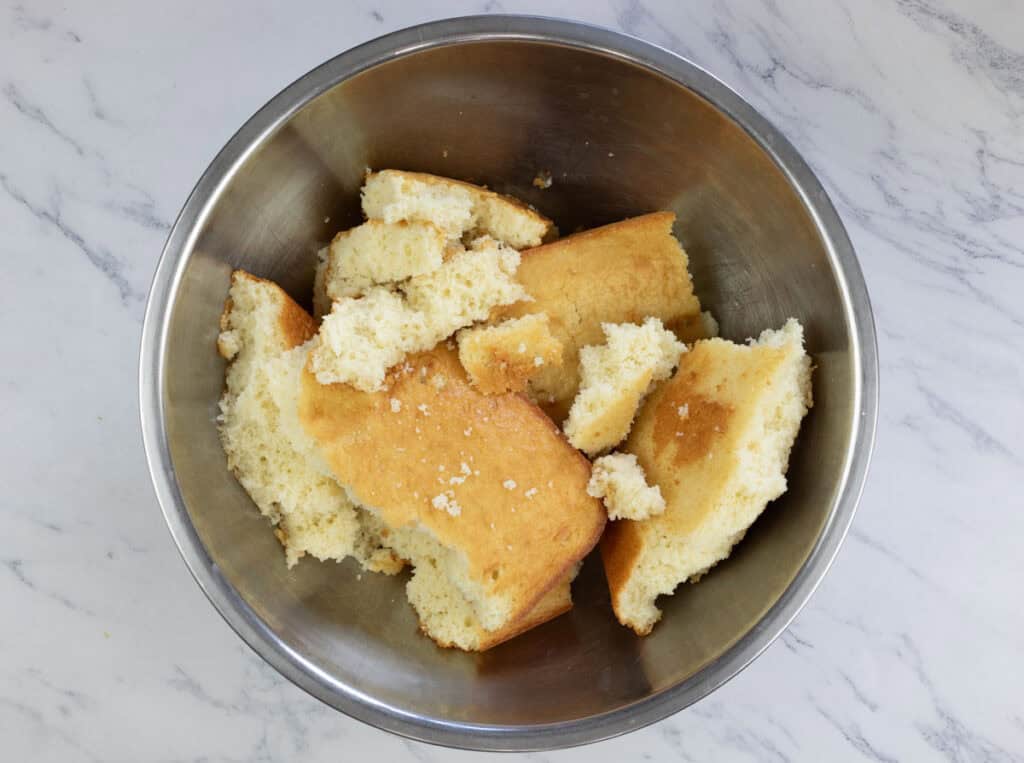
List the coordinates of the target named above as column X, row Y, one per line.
column 716, row 439
column 504, row 357
column 619, row 273
column 262, row 329
column 465, row 211
column 482, row 494
column 615, row 377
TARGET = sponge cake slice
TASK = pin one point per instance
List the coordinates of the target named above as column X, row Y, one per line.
column 261, row 328
column 484, row 489
column 715, row 439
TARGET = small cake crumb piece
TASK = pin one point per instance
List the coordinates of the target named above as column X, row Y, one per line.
column 396, row 405
column 509, row 484
column 446, row 502
column 615, row 377
column 504, row 357
column 619, row 481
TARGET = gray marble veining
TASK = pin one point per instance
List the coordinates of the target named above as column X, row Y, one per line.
column 912, row 113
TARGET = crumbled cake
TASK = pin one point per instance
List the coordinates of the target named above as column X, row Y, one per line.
column 465, row 288
column 262, row 332
column 463, row 210
column 378, row 252
column 614, row 377
column 361, row 338
column 716, row 439
column 372, row 438
column 619, row 481
column 619, row 273
column 423, row 449
column 504, row 357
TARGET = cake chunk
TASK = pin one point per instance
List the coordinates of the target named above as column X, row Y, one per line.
column 619, row 481
column 716, row 439
column 466, row 288
column 503, row 357
column 436, row 469
column 615, row 377
column 360, row 339
column 262, row 335
column 463, row 210
column 377, row 253
column 363, row 337
column 619, row 273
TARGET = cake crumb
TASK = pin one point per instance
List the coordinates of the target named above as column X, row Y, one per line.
column 423, row 408
column 396, row 405
column 509, row 484
column 619, row 481
column 542, row 180
column 683, row 410
column 531, row 492
column 446, row 502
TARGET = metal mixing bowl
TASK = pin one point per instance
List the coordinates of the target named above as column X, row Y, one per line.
column 624, row 128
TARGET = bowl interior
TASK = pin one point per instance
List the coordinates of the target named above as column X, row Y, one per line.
column 618, row 140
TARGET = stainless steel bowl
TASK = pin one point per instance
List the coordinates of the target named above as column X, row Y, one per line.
column 624, row 128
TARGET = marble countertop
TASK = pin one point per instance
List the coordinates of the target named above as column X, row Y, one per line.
column 911, row 112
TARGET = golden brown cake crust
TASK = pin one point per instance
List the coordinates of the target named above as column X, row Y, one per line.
column 297, row 326
column 620, row 273
column 500, row 361
column 524, row 517
column 621, row 546
column 689, row 457
column 477, row 190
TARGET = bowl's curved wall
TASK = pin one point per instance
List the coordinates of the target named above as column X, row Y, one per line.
column 619, row 139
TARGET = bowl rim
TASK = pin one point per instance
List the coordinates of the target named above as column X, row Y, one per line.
column 178, row 249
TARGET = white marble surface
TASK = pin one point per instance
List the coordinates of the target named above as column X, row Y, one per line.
column 911, row 111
